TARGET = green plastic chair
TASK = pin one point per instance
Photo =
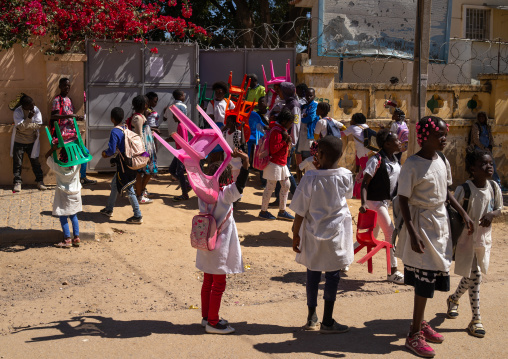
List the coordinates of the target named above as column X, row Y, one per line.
column 77, row 153
column 202, row 95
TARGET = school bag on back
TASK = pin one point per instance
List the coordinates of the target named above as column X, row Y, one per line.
column 403, row 134
column 262, row 152
column 204, row 230
column 369, row 138
column 332, row 128
column 135, row 155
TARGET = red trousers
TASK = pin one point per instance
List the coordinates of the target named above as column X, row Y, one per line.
column 211, row 295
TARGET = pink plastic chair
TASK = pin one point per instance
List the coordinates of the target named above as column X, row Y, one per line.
column 365, row 236
column 203, row 142
column 275, row 80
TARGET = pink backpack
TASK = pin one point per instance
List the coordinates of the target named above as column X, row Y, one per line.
column 403, row 134
column 204, row 230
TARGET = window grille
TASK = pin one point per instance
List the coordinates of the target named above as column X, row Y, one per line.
column 477, row 24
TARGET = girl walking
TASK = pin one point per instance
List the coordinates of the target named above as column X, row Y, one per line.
column 379, row 186
column 277, row 170
column 425, row 245
column 483, row 200
column 226, row 258
column 67, row 201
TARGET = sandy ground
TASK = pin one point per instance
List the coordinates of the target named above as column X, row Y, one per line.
column 136, row 293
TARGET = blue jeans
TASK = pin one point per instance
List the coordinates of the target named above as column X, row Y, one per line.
column 130, row 193
column 331, row 284
column 65, row 225
column 82, row 170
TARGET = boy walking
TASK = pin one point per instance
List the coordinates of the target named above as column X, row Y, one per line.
column 323, row 232
column 124, row 179
column 25, row 139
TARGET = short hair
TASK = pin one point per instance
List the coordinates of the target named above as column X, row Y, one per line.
column 262, row 97
column 331, row 147
column 177, row 94
column 226, row 177
column 253, row 76
column 62, row 80
column 25, row 100
column 482, row 113
column 359, row 118
column 426, row 124
column 138, row 103
column 473, row 155
column 324, row 106
column 399, row 111
column 151, row 95
column 117, row 114
column 382, row 137
column 285, row 116
column 311, row 89
column 220, row 85
column 302, row 86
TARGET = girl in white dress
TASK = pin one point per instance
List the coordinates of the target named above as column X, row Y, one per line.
column 484, row 203
column 425, row 245
column 67, row 201
column 226, row 258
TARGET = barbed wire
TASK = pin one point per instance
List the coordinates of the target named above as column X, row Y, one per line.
column 365, row 62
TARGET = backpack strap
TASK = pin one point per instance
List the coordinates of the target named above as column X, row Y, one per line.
column 441, row 154
column 219, row 229
column 493, row 184
column 467, row 194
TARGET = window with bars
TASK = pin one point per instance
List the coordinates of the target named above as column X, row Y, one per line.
column 477, row 24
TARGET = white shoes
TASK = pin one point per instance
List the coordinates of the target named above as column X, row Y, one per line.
column 397, row 278
column 17, row 187
column 204, row 322
column 144, row 200
column 41, row 186
column 219, row 329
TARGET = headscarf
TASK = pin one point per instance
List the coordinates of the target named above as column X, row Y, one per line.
column 288, row 90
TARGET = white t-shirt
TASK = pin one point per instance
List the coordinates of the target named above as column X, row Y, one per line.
column 321, row 126
column 307, row 164
column 327, row 232
column 392, row 167
column 218, row 109
column 357, row 132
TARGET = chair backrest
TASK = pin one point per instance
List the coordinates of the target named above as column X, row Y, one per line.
column 238, row 90
column 277, row 80
column 76, row 151
column 365, row 229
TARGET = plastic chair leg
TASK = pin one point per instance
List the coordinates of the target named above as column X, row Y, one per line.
column 370, row 266
column 371, row 253
column 388, row 264
column 359, row 248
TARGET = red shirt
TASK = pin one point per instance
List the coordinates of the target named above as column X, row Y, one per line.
column 278, row 147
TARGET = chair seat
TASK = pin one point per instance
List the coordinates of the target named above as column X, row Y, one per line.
column 76, row 152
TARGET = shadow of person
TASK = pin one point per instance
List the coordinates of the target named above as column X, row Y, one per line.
column 268, row 239
column 106, row 327
column 377, row 337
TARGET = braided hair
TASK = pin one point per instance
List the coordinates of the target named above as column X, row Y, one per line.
column 226, row 177
column 473, row 155
column 427, row 124
column 382, row 137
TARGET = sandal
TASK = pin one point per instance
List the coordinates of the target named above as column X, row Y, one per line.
column 180, row 198
column 67, row 243
column 76, row 242
column 453, row 308
column 476, row 328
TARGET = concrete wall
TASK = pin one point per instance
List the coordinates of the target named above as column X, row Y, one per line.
column 452, row 105
column 28, row 70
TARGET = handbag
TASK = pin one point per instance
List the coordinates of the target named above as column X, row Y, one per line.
column 204, row 231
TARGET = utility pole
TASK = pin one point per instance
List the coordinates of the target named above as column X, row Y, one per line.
column 420, row 69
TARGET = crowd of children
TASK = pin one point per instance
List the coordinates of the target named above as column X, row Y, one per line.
column 322, row 229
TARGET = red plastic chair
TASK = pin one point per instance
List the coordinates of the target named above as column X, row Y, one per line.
column 365, row 236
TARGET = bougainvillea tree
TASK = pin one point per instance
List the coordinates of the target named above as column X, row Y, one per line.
column 66, row 24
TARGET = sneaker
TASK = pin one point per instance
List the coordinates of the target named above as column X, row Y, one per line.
column 106, row 212
column 67, row 243
column 180, row 198
column 85, row 181
column 417, row 344
column 76, row 242
column 397, row 278
column 204, row 321
column 345, row 269
column 430, row 334
column 135, row 220
column 41, row 186
column 219, row 329
column 17, row 187
column 274, row 204
column 144, row 200
column 285, row 216
column 335, row 328
column 146, row 193
column 266, row 215
column 311, row 325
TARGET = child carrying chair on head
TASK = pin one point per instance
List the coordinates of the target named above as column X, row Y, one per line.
column 425, row 244
column 379, row 186
column 323, row 231
column 483, row 202
column 226, row 258
column 67, row 201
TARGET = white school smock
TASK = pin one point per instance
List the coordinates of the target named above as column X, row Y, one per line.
column 321, row 128
column 425, row 183
column 67, row 199
column 19, row 117
column 357, row 132
column 481, row 202
column 218, row 110
column 226, row 258
column 326, row 234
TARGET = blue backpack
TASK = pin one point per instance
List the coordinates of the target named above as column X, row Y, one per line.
column 332, row 128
